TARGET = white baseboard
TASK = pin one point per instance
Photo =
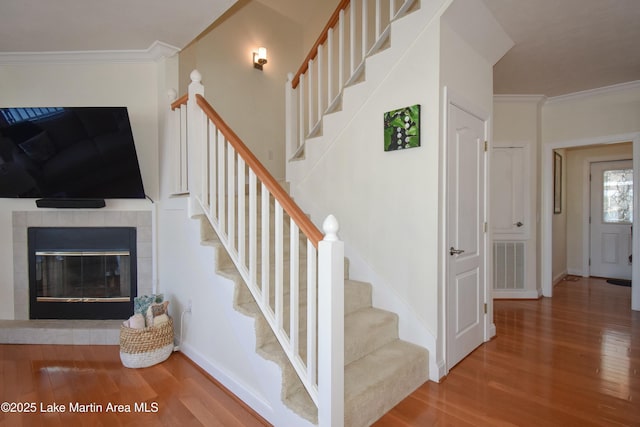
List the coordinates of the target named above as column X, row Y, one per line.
column 559, row 277
column 242, row 391
column 439, row 369
column 575, row 272
column 516, row 294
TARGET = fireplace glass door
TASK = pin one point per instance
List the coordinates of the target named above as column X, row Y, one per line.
column 82, row 272
column 88, row 276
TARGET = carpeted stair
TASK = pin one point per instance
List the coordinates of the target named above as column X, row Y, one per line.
column 380, row 369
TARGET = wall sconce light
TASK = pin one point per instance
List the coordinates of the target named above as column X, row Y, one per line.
column 260, row 58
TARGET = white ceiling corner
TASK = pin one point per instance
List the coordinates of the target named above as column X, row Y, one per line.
column 561, row 46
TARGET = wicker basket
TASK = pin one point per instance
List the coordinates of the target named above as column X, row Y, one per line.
column 140, row 348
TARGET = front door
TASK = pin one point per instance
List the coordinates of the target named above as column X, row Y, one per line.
column 465, row 233
column 611, row 219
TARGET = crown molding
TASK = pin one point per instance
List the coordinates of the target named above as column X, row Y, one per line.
column 535, row 99
column 597, row 91
column 156, row 51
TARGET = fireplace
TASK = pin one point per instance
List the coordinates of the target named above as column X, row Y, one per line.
column 81, row 272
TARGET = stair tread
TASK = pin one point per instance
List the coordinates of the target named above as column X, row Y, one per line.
column 367, row 329
column 357, row 295
column 380, row 380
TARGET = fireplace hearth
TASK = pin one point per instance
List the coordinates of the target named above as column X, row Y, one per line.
column 81, row 272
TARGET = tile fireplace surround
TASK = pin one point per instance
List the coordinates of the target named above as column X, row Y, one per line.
column 23, row 330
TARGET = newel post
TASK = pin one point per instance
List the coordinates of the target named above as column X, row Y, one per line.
column 330, row 326
column 291, row 122
column 195, row 144
column 173, row 143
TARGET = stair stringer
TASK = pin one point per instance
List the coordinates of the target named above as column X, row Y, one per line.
column 279, row 379
column 402, row 34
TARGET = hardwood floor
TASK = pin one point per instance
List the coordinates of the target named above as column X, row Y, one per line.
column 173, row 393
column 570, row 360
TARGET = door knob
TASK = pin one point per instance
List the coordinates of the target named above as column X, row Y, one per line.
column 454, row 251
column 518, row 224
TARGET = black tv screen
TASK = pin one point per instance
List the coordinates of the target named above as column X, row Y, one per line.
column 68, row 152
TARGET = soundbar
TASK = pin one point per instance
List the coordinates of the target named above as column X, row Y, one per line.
column 69, row 203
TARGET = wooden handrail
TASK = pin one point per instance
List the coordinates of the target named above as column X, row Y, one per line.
column 180, row 101
column 323, row 37
column 287, row 203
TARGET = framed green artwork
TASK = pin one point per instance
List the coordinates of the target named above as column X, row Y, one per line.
column 402, row 128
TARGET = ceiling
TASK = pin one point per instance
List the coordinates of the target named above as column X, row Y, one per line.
column 566, row 46
column 97, row 25
column 561, row 46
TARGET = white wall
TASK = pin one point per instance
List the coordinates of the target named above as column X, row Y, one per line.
column 610, row 111
column 389, row 203
column 600, row 116
column 471, row 42
column 133, row 85
column 249, row 100
column 516, row 123
column 567, row 121
column 560, row 240
column 386, row 202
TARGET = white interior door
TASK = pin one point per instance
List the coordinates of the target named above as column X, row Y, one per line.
column 611, row 219
column 509, row 193
column 465, row 233
column 509, row 221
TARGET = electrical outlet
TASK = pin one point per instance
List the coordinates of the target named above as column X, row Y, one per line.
column 188, row 309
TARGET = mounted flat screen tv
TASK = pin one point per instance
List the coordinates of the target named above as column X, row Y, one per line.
column 68, row 153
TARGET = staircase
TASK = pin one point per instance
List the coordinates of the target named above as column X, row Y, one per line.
column 380, row 369
column 313, row 123
column 284, row 287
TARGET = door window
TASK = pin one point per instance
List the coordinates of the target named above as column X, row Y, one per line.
column 617, row 197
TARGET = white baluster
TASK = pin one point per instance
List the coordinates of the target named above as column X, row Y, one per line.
column 221, row 180
column 365, row 28
column 301, row 112
column 341, row 51
column 392, row 10
column 331, row 326
column 204, row 159
column 242, row 193
column 378, row 19
column 278, row 264
column 352, row 38
column 266, row 262
column 312, row 300
column 311, row 115
column 231, row 197
column 253, row 229
column 294, row 287
column 330, row 72
column 213, row 167
column 184, row 157
column 291, row 117
column 173, row 141
column 320, row 93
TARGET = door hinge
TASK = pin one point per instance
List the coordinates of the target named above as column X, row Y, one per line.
column 485, row 308
column 486, row 145
column 589, row 261
column 486, row 227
